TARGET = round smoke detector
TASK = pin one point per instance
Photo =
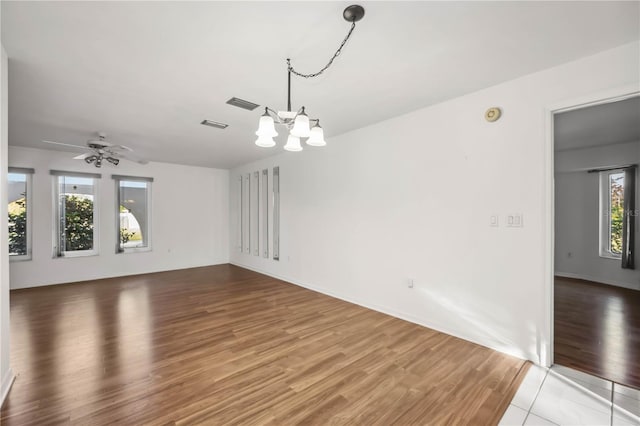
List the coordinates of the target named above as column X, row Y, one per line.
column 492, row 114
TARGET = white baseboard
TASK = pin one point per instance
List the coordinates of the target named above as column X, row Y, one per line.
column 387, row 311
column 599, row 280
column 116, row 275
column 7, row 382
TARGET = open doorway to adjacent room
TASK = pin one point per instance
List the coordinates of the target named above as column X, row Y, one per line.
column 597, row 246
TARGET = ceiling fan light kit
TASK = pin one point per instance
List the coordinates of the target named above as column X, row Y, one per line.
column 298, row 122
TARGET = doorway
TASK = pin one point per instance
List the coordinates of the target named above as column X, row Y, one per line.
column 596, row 272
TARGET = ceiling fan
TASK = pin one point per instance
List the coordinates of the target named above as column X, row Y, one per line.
column 100, row 150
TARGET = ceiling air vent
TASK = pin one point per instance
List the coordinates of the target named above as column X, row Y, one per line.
column 241, row 103
column 214, row 124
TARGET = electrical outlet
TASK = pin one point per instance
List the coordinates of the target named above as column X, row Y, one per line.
column 494, row 221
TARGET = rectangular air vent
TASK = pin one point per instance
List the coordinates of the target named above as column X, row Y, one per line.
column 214, row 124
column 241, row 103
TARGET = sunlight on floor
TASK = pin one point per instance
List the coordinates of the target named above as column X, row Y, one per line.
column 615, row 324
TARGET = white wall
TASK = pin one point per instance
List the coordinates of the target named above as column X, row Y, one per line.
column 577, row 218
column 6, row 374
column 412, row 197
column 189, row 220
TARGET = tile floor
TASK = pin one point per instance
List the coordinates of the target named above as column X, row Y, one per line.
column 562, row 396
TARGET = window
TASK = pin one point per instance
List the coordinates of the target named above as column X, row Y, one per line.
column 19, row 209
column 76, row 214
column 276, row 213
column 611, row 213
column 133, row 213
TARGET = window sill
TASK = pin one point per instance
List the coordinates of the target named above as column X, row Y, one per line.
column 610, row 256
column 72, row 255
column 24, row 258
column 134, row 250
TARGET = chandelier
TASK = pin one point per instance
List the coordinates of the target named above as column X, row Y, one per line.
column 298, row 122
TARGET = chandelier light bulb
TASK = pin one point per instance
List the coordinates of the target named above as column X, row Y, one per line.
column 301, row 125
column 317, row 136
column 293, row 144
column 266, row 126
column 265, row 141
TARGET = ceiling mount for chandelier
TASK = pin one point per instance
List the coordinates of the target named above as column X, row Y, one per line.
column 298, row 122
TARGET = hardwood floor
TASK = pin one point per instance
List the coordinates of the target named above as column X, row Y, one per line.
column 597, row 330
column 224, row 345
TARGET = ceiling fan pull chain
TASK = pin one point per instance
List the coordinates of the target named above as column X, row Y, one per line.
column 335, row 55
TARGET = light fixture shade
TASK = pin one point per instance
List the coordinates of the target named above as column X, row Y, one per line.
column 266, row 127
column 317, row 136
column 113, row 160
column 265, row 141
column 301, row 126
column 293, row 144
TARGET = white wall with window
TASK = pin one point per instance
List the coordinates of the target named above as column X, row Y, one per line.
column 189, row 227
column 19, row 210
column 587, row 223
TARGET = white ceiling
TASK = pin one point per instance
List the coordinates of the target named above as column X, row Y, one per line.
column 605, row 124
column 147, row 73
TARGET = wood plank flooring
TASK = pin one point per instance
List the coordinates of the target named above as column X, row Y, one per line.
column 597, row 330
column 224, row 345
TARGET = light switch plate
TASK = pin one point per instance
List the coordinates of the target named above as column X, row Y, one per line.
column 515, row 220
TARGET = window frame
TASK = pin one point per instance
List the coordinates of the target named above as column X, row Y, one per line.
column 148, row 237
column 58, row 253
column 28, row 173
column 604, row 240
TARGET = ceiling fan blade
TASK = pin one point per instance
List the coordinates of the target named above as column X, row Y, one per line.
column 120, row 148
column 65, row 144
column 82, row 156
column 99, row 142
column 131, row 157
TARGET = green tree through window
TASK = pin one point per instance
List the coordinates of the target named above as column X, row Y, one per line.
column 19, row 212
column 616, row 212
column 78, row 223
column 76, row 214
column 18, row 227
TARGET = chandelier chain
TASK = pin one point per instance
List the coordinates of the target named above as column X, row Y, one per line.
column 335, row 55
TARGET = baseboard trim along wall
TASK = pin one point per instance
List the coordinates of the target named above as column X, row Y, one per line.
column 598, row 280
column 7, row 382
column 388, row 311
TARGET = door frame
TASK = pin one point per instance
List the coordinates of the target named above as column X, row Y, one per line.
column 548, row 213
